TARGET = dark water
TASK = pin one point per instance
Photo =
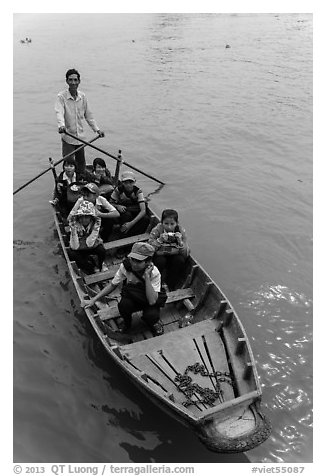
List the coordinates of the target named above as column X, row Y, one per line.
column 230, row 132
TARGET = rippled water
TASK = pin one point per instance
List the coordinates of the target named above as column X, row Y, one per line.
column 230, row 132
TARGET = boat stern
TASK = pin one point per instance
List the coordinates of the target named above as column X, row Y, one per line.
column 241, row 430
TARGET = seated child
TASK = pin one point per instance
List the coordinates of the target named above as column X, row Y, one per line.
column 171, row 249
column 140, row 291
column 130, row 202
column 84, row 238
column 67, row 177
column 105, row 210
column 102, row 176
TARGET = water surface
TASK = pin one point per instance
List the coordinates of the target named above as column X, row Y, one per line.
column 230, row 132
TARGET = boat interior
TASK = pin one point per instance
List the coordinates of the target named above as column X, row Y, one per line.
column 201, row 367
column 212, row 339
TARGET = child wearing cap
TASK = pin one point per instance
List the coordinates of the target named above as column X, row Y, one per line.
column 105, row 210
column 171, row 248
column 141, row 288
column 130, row 202
column 84, row 238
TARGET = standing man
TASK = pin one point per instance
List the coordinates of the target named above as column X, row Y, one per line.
column 71, row 108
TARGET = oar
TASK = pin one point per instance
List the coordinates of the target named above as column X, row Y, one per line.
column 55, row 164
column 115, row 158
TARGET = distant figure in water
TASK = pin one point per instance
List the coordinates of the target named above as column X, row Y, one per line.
column 27, row 40
column 227, row 46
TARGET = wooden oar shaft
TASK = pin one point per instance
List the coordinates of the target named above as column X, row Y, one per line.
column 73, row 152
column 54, row 165
column 115, row 158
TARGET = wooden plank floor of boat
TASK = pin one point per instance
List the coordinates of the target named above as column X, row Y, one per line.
column 163, row 357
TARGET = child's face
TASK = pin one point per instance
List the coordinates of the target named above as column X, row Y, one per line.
column 90, row 197
column 169, row 224
column 99, row 170
column 128, row 185
column 138, row 265
column 85, row 220
column 69, row 169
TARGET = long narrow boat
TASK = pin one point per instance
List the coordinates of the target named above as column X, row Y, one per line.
column 201, row 370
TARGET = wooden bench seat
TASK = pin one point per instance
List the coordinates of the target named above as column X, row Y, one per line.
column 102, row 276
column 112, row 311
column 110, row 245
column 130, row 240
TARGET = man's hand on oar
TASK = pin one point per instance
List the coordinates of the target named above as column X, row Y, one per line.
column 100, row 133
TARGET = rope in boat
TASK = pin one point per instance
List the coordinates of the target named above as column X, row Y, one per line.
column 208, row 396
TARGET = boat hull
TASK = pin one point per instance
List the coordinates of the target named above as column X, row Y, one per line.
column 216, row 341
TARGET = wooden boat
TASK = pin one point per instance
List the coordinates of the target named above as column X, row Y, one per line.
column 204, row 373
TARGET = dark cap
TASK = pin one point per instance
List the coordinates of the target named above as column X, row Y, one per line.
column 141, row 251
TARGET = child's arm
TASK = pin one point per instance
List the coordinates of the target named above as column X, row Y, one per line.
column 154, row 237
column 74, row 239
column 90, row 240
column 127, row 226
column 115, row 198
column 119, row 277
column 58, row 190
column 111, row 211
column 74, row 209
column 151, row 294
column 55, row 196
column 107, row 290
column 158, row 239
column 183, row 246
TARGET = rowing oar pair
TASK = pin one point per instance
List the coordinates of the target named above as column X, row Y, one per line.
column 116, row 158
column 85, row 143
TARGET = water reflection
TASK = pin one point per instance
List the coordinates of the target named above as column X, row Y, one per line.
column 282, row 348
